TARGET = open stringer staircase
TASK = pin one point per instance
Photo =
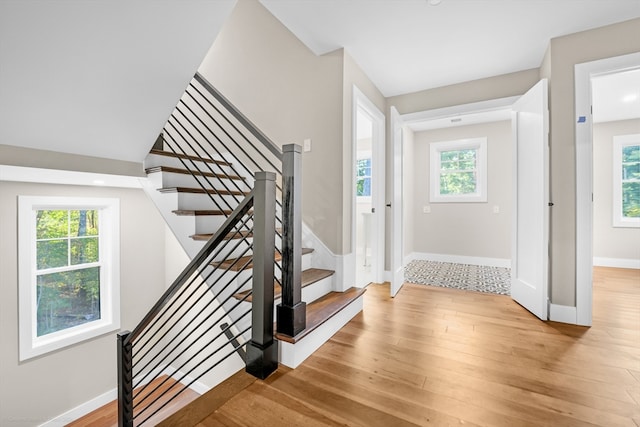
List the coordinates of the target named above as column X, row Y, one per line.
column 200, row 169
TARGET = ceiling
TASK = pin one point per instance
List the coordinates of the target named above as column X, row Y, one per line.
column 99, row 77
column 410, row 45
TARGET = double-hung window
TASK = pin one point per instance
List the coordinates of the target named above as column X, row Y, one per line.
column 458, row 171
column 626, row 181
column 363, row 177
column 68, row 271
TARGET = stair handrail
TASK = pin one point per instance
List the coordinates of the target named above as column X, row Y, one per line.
column 248, row 124
column 262, row 350
column 291, row 313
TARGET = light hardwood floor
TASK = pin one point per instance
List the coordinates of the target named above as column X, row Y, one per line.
column 442, row 357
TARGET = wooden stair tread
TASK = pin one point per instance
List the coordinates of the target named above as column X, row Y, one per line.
column 308, row 277
column 188, row 157
column 203, row 191
column 229, row 236
column 323, row 309
column 209, row 402
column 182, row 171
column 201, row 212
column 245, row 262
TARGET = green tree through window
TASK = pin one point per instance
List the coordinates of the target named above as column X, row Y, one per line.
column 458, row 171
column 68, row 270
column 631, row 181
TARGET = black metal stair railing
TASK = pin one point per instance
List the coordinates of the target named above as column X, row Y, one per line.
column 205, row 126
column 175, row 344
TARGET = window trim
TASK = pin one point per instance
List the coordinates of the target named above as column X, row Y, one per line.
column 619, row 142
column 109, row 240
column 480, row 195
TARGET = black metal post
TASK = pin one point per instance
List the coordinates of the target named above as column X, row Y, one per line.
column 125, row 381
column 291, row 312
column 262, row 350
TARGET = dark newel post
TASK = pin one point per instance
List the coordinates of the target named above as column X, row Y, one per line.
column 125, row 381
column 262, row 351
column 292, row 312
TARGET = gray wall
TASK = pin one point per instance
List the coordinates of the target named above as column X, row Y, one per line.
column 466, row 229
column 291, row 95
column 609, row 241
column 40, row 389
column 565, row 52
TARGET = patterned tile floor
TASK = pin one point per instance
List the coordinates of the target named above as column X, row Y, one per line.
column 479, row 278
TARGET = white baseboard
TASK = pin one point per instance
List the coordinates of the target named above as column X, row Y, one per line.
column 563, row 314
column 460, row 259
column 616, row 262
column 82, row 410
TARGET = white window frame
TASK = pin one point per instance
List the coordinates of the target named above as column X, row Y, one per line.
column 619, row 142
column 480, row 195
column 109, row 248
column 363, row 155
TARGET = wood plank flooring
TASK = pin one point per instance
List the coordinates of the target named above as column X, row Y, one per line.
column 442, row 357
column 107, row 415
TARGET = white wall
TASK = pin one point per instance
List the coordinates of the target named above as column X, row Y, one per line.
column 464, row 229
column 610, row 242
column 40, row 389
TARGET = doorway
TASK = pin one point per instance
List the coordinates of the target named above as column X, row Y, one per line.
column 529, row 232
column 584, row 73
column 368, row 190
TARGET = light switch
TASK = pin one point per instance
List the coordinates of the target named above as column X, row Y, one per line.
column 426, row 209
column 306, row 147
column 496, row 209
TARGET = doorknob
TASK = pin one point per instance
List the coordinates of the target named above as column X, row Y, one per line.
column 373, row 210
column 388, row 205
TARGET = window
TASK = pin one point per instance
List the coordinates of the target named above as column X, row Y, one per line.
column 68, row 271
column 363, row 177
column 626, row 181
column 459, row 170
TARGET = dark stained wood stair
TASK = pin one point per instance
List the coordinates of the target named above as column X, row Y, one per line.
column 245, row 262
column 308, row 277
column 232, row 235
column 169, row 169
column 188, row 157
column 203, row 191
column 323, row 309
column 201, row 212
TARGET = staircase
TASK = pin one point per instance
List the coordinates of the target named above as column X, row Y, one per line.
column 232, row 199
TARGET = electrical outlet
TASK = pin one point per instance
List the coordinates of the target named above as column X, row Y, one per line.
column 426, row 209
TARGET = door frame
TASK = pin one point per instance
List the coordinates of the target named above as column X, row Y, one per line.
column 360, row 101
column 584, row 175
column 396, row 249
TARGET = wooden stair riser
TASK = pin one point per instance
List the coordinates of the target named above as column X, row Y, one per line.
column 169, row 180
column 154, row 160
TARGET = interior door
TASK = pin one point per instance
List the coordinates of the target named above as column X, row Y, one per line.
column 397, row 267
column 530, row 237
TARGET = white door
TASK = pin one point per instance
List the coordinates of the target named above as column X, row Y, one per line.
column 530, row 244
column 397, row 269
